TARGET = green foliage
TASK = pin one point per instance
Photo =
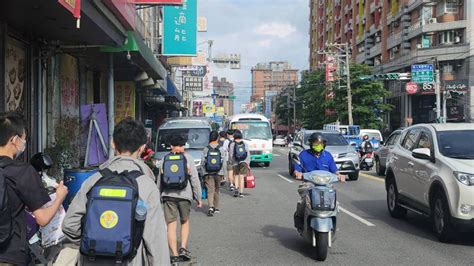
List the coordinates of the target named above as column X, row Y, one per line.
column 368, row 107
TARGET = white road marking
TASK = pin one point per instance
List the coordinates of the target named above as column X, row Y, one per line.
column 276, row 155
column 286, row 179
column 357, row 217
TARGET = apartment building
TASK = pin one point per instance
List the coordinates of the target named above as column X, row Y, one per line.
column 272, row 76
column 393, row 35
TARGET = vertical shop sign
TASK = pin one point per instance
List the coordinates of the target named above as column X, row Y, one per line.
column 15, row 73
column 180, row 29
column 124, row 100
column 69, row 83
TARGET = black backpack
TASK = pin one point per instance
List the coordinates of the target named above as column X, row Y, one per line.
column 240, row 151
column 213, row 160
column 175, row 173
column 110, row 226
column 6, row 227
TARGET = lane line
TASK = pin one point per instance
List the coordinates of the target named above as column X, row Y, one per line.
column 276, row 155
column 372, row 177
column 357, row 217
column 286, row 179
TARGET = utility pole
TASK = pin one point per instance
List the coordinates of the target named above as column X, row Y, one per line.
column 348, row 80
column 294, row 107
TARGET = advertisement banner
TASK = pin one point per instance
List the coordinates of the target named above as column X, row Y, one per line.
column 180, row 29
column 208, row 108
column 192, row 83
column 69, row 78
column 197, row 108
column 125, row 11
column 124, row 100
column 220, row 111
column 15, row 76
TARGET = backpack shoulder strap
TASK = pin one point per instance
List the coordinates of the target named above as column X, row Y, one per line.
column 5, row 163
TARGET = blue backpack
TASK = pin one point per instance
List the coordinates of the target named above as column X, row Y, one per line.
column 110, row 229
column 240, row 151
column 175, row 174
column 213, row 160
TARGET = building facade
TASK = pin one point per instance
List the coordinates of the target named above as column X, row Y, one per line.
column 272, row 76
column 222, row 90
column 393, row 35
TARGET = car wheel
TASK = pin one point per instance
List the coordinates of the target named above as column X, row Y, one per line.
column 354, row 176
column 395, row 210
column 441, row 217
column 266, row 164
column 291, row 168
column 380, row 169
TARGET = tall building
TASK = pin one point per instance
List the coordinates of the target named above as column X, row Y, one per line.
column 224, row 89
column 271, row 76
column 393, row 35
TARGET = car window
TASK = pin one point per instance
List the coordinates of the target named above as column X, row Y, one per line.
column 425, row 141
column 393, row 138
column 457, row 144
column 410, row 139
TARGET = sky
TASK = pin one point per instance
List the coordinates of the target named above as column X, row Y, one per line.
column 258, row 30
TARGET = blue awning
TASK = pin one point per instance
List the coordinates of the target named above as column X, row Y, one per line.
column 172, row 90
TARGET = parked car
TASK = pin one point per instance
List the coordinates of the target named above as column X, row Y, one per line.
column 279, row 140
column 345, row 155
column 196, row 129
column 374, row 135
column 430, row 171
column 381, row 154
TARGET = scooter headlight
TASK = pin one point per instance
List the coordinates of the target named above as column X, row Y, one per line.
column 321, row 179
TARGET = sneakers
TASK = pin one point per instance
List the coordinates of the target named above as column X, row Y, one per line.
column 241, row 195
column 211, row 211
column 184, row 254
column 236, row 193
column 217, row 211
column 177, row 259
column 232, row 188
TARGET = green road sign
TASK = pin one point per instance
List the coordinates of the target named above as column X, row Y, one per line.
column 422, row 73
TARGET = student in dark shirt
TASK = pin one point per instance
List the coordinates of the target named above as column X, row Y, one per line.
column 24, row 189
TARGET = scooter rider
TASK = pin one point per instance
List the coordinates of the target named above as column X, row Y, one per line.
column 315, row 158
column 365, row 146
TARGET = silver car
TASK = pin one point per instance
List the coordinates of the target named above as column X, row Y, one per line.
column 344, row 154
column 382, row 152
column 195, row 129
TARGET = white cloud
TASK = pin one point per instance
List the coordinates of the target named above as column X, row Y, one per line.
column 264, row 43
column 276, row 29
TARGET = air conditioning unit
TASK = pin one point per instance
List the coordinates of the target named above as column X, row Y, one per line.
column 419, row 46
column 378, row 39
column 395, row 49
column 432, row 20
column 457, row 39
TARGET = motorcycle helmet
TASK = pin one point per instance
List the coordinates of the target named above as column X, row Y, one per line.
column 41, row 162
column 317, row 137
column 365, row 137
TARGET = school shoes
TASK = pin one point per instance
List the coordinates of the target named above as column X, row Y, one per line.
column 177, row 259
column 211, row 211
column 185, row 254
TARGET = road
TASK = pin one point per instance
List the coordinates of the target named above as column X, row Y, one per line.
column 258, row 229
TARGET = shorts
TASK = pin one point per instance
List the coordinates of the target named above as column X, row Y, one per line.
column 229, row 166
column 172, row 207
column 240, row 169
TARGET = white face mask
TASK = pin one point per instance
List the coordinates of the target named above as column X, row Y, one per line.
column 20, row 151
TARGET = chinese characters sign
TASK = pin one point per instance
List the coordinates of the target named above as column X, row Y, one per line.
column 180, row 29
column 422, row 73
column 124, row 100
column 193, row 84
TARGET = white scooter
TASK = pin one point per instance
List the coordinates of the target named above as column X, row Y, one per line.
column 316, row 213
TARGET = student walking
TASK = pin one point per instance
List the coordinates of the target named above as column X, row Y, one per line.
column 180, row 186
column 121, row 205
column 229, row 166
column 213, row 171
column 240, row 159
column 22, row 187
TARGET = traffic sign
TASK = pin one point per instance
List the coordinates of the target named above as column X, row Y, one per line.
column 422, row 73
column 412, row 88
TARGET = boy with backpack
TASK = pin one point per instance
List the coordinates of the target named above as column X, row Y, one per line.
column 240, row 160
column 20, row 187
column 116, row 216
column 212, row 171
column 180, row 186
column 229, row 166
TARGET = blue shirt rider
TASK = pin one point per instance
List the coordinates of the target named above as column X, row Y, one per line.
column 316, row 158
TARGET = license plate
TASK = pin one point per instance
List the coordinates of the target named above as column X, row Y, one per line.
column 368, row 160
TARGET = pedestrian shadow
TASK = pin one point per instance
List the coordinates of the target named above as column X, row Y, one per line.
column 414, row 224
column 289, row 238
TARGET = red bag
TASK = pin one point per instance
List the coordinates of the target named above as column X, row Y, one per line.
column 249, row 179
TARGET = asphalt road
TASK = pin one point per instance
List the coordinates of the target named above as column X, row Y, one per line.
column 258, row 229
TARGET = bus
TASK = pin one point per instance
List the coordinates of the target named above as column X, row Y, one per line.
column 257, row 132
column 350, row 132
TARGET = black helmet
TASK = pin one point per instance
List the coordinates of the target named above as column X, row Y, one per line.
column 317, row 137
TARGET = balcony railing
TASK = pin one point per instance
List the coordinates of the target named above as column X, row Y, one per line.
column 360, row 58
column 421, row 28
column 394, row 40
column 376, row 50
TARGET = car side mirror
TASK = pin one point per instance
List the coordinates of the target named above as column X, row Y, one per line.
column 382, row 143
column 422, row 153
column 353, row 144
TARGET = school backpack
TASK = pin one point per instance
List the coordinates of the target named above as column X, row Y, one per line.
column 240, row 151
column 213, row 160
column 175, row 174
column 6, row 230
column 111, row 227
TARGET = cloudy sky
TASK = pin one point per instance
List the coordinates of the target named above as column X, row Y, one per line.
column 259, row 30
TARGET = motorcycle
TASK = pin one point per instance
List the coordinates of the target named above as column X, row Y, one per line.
column 367, row 161
column 316, row 213
column 41, row 254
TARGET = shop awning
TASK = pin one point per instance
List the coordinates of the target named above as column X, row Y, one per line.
column 142, row 55
column 172, row 90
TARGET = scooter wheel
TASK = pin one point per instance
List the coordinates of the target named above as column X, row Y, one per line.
column 322, row 243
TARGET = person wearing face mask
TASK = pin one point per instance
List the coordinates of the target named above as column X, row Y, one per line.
column 23, row 188
column 316, row 158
